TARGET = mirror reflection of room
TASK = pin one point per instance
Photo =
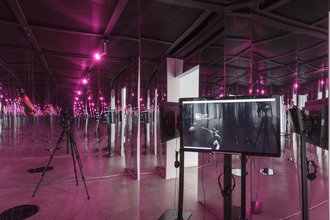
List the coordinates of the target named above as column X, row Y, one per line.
column 156, row 109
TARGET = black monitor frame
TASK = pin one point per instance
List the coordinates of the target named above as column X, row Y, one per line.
column 169, row 119
column 316, row 117
column 274, row 151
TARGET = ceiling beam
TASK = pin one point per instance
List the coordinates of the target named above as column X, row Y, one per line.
column 19, row 14
column 284, row 23
column 238, row 5
column 10, row 70
column 183, row 36
column 85, row 34
column 206, row 6
column 274, row 5
column 208, row 33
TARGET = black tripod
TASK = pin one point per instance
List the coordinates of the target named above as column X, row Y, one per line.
column 264, row 125
column 67, row 129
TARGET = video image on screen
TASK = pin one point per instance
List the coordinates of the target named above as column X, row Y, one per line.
column 242, row 125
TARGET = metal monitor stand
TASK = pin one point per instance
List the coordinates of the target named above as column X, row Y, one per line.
column 178, row 214
column 227, row 200
column 304, row 185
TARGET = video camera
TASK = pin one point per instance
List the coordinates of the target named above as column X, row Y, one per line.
column 66, row 119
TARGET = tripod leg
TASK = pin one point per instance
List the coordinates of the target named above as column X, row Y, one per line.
column 259, row 130
column 50, row 159
column 67, row 142
column 72, row 144
column 76, row 152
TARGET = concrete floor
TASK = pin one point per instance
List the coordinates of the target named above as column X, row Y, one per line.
column 113, row 193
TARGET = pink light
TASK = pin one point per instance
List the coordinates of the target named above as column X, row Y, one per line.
column 322, row 83
column 262, row 92
column 89, row 98
column 250, row 91
column 79, row 92
column 257, row 90
column 295, row 85
column 141, row 99
column 76, row 98
column 221, row 95
column 133, row 94
column 101, row 98
column 84, row 81
column 97, row 56
column 1, row 96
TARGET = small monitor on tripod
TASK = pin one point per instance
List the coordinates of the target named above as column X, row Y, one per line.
column 247, row 125
column 316, row 112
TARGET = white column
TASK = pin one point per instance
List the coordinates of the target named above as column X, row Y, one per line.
column 155, row 120
column 113, row 125
column 180, row 85
column 123, row 121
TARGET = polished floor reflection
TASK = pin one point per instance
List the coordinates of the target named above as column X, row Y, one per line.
column 28, row 143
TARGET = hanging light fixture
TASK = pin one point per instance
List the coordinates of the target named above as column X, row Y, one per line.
column 97, row 55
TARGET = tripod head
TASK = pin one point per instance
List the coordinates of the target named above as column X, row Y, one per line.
column 263, row 107
column 66, row 119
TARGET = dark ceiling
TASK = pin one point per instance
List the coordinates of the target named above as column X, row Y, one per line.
column 46, row 47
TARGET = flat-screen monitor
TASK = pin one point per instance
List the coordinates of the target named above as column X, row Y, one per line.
column 316, row 113
column 247, row 125
column 108, row 116
column 169, row 118
column 144, row 116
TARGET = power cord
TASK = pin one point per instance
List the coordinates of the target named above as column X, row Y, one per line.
column 225, row 191
column 204, row 197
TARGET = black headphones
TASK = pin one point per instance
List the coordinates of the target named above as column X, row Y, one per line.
column 176, row 162
column 311, row 175
column 226, row 192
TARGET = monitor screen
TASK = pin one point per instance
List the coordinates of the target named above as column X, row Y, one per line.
column 144, row 116
column 169, row 117
column 234, row 125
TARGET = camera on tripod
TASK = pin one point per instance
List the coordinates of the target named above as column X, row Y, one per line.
column 108, row 116
column 66, row 119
